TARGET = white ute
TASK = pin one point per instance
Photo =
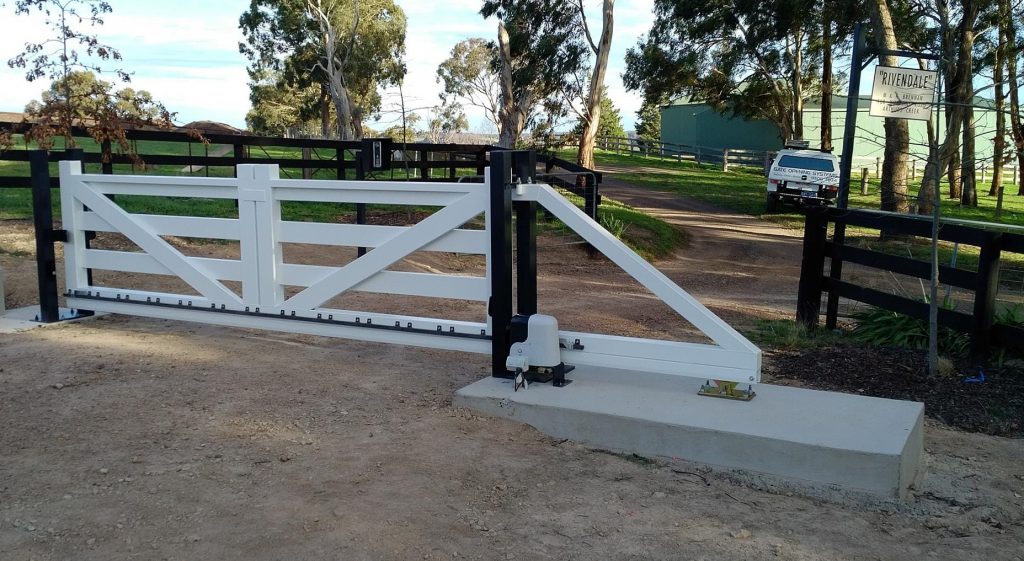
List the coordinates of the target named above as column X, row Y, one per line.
column 802, row 177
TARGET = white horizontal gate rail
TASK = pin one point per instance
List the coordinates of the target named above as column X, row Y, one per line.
column 263, row 273
column 261, row 270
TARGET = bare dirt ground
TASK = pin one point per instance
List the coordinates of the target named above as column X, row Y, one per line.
column 731, row 260
column 126, row 438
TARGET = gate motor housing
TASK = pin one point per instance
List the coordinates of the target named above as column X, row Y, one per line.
column 535, row 351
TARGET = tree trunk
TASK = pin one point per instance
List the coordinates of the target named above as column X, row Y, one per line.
column 931, row 175
column 999, row 142
column 826, row 84
column 951, row 165
column 325, row 111
column 955, row 182
column 926, row 194
column 1013, row 87
column 897, row 136
column 511, row 125
column 592, row 113
column 342, row 108
column 969, row 179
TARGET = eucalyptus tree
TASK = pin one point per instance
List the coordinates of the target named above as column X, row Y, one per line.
column 539, row 52
column 469, row 76
column 348, row 47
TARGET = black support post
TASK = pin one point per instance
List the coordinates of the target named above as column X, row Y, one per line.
column 985, row 293
column 360, row 207
column 239, row 156
column 808, row 306
column 590, row 195
column 500, row 304
column 42, row 217
column 846, row 166
column 524, row 163
column 106, row 157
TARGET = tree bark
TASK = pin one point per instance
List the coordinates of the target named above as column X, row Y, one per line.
column 926, row 194
column 951, row 165
column 999, row 142
column 592, row 112
column 969, row 180
column 1013, row 87
column 897, row 136
column 826, row 84
column 333, row 64
column 325, row 111
column 513, row 119
column 948, row 154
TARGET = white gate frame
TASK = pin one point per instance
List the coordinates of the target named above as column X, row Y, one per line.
column 264, row 274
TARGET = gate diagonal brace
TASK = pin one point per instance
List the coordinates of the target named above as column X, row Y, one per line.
column 388, row 253
column 153, row 245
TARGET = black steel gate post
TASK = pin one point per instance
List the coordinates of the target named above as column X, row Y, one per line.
column 590, row 195
column 42, row 218
column 107, row 158
column 239, row 154
column 808, row 306
column 360, row 207
column 500, row 303
column 525, row 167
column 985, row 293
column 846, row 166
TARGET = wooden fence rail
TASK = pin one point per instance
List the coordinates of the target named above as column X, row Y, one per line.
column 983, row 283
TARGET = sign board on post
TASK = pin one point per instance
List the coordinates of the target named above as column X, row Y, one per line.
column 903, row 93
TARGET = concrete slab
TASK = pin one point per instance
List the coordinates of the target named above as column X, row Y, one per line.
column 824, row 439
column 22, row 319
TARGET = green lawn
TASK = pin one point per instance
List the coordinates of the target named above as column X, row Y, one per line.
column 742, row 189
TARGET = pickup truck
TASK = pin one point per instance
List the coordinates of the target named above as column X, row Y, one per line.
column 802, row 177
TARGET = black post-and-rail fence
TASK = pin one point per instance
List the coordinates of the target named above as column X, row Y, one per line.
column 421, row 158
column 425, row 161
column 983, row 283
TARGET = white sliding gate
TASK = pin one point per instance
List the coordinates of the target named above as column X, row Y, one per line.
column 263, row 274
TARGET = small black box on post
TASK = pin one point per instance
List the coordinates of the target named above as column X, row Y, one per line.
column 524, row 165
column 376, row 154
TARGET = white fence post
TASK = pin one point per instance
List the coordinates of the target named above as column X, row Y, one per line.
column 725, row 159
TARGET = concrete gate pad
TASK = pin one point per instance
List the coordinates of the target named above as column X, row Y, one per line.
column 824, row 439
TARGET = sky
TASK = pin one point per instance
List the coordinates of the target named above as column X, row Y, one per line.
column 185, row 52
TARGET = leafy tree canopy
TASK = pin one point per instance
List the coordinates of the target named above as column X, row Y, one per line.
column 283, row 37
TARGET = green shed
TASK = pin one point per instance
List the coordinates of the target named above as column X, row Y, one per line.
column 697, row 124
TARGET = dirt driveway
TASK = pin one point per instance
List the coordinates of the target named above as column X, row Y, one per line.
column 142, row 439
column 732, row 260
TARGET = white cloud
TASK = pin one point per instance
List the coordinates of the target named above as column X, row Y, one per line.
column 185, row 52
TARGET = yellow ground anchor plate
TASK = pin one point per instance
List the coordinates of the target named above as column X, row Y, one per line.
column 726, row 390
